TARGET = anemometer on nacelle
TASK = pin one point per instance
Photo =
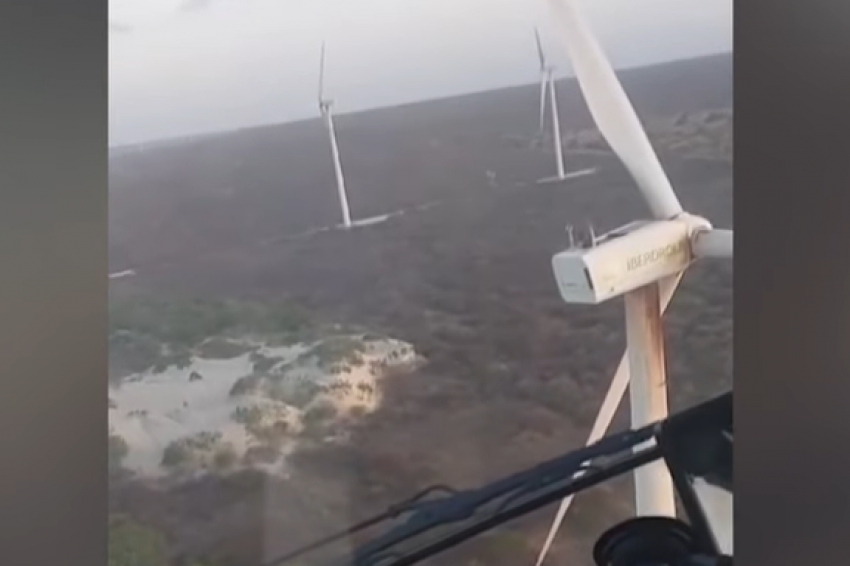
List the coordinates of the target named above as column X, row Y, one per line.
column 625, row 259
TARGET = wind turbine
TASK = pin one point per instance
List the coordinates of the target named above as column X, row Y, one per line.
column 547, row 86
column 326, row 111
column 547, row 82
column 642, row 261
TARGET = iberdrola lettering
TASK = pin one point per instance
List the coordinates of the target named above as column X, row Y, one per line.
column 652, row 256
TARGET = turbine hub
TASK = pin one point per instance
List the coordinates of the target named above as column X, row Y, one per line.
column 695, row 223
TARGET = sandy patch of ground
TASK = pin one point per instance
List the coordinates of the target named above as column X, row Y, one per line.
column 199, row 406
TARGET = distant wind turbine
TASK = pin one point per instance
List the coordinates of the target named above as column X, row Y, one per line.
column 547, row 83
column 326, row 110
column 547, row 79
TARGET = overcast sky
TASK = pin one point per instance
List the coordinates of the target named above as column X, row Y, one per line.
column 180, row 67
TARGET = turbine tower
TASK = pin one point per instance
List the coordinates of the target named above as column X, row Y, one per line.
column 547, row 82
column 326, row 111
column 642, row 261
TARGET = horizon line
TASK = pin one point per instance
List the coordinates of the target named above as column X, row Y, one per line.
column 210, row 133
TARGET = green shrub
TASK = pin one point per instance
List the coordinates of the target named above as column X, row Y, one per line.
column 221, row 349
column 319, row 413
column 130, row 544
column 117, row 451
column 282, row 317
column 248, row 416
column 185, row 451
column 297, row 394
column 176, row 455
column 179, row 357
column 182, row 322
column 260, row 455
column 131, row 353
column 338, row 350
column 245, row 385
column 225, row 458
column 263, row 363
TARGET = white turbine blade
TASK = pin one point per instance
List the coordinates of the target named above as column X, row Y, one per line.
column 611, row 110
column 322, row 73
column 713, row 243
column 606, row 413
column 543, row 81
column 541, row 56
column 719, row 508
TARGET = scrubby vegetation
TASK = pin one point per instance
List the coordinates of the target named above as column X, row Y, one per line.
column 245, row 385
column 513, row 375
column 134, row 544
column 263, row 363
column 117, row 451
column 193, row 452
column 131, row 544
column 146, row 332
column 260, row 454
column 189, row 322
column 319, row 413
column 297, row 393
column 225, row 458
column 270, row 430
column 336, row 351
column 218, row 348
column 177, row 356
column 248, row 416
column 130, row 352
column 176, row 455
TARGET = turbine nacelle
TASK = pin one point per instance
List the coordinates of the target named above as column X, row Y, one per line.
column 325, row 106
column 627, row 258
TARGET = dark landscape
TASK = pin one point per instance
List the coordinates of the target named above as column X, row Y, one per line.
column 512, row 374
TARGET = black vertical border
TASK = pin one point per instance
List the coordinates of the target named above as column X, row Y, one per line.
column 53, row 203
column 792, row 279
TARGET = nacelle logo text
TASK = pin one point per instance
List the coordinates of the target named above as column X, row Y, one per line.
column 652, row 256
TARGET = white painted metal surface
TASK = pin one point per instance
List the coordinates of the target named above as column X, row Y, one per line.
column 713, row 243
column 340, row 179
column 606, row 412
column 556, row 126
column 611, row 110
column 640, row 255
column 654, row 493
